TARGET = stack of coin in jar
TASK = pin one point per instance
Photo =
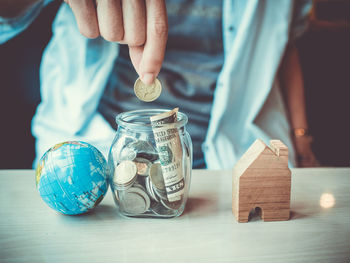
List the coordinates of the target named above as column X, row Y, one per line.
column 138, row 180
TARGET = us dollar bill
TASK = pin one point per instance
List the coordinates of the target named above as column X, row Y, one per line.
column 169, row 147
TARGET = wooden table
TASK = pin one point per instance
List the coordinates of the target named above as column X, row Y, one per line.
column 318, row 231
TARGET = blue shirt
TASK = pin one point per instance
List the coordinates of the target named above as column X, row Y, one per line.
column 193, row 60
column 247, row 102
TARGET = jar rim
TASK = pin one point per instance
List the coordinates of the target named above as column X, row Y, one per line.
column 137, row 119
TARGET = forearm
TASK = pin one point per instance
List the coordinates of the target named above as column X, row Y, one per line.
column 13, row 8
column 293, row 89
column 293, row 85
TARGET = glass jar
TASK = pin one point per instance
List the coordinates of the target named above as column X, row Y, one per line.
column 150, row 165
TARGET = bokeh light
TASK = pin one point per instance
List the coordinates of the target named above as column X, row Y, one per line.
column 327, row 200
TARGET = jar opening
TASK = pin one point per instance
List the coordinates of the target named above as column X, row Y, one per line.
column 140, row 119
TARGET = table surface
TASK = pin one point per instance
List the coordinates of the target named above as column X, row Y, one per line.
column 318, row 231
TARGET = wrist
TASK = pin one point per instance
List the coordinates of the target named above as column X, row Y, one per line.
column 302, row 139
column 300, row 132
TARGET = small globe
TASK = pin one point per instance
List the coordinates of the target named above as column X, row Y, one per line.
column 71, row 177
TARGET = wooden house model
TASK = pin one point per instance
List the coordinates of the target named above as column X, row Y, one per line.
column 262, row 179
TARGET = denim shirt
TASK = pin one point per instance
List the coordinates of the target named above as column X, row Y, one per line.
column 247, row 101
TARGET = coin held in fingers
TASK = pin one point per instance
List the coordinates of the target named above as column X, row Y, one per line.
column 145, row 92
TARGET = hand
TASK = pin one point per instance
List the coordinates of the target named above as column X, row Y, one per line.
column 141, row 24
column 305, row 155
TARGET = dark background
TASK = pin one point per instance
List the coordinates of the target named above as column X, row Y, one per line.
column 19, row 90
column 325, row 58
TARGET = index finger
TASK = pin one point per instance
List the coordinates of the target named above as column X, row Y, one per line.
column 156, row 38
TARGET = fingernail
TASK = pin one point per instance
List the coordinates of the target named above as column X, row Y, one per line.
column 147, row 78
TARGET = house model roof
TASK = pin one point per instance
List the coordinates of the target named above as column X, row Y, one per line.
column 259, row 154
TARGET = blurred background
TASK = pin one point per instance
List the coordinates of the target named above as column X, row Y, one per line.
column 325, row 59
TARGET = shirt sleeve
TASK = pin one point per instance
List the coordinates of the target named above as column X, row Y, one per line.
column 10, row 27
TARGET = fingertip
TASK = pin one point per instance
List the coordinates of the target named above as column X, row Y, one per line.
column 89, row 32
column 112, row 36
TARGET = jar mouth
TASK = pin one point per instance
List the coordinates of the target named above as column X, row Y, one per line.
column 140, row 119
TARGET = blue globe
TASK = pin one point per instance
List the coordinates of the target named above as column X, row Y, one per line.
column 71, row 177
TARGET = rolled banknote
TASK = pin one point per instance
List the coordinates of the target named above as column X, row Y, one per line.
column 170, row 153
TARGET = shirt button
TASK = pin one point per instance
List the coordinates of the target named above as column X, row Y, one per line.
column 231, row 28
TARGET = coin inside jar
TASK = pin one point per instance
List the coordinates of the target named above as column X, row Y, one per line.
column 125, row 173
column 145, row 92
column 133, row 203
column 156, row 176
column 150, row 190
column 135, row 200
column 143, row 166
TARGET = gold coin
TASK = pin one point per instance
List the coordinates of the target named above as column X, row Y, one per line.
column 147, row 93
